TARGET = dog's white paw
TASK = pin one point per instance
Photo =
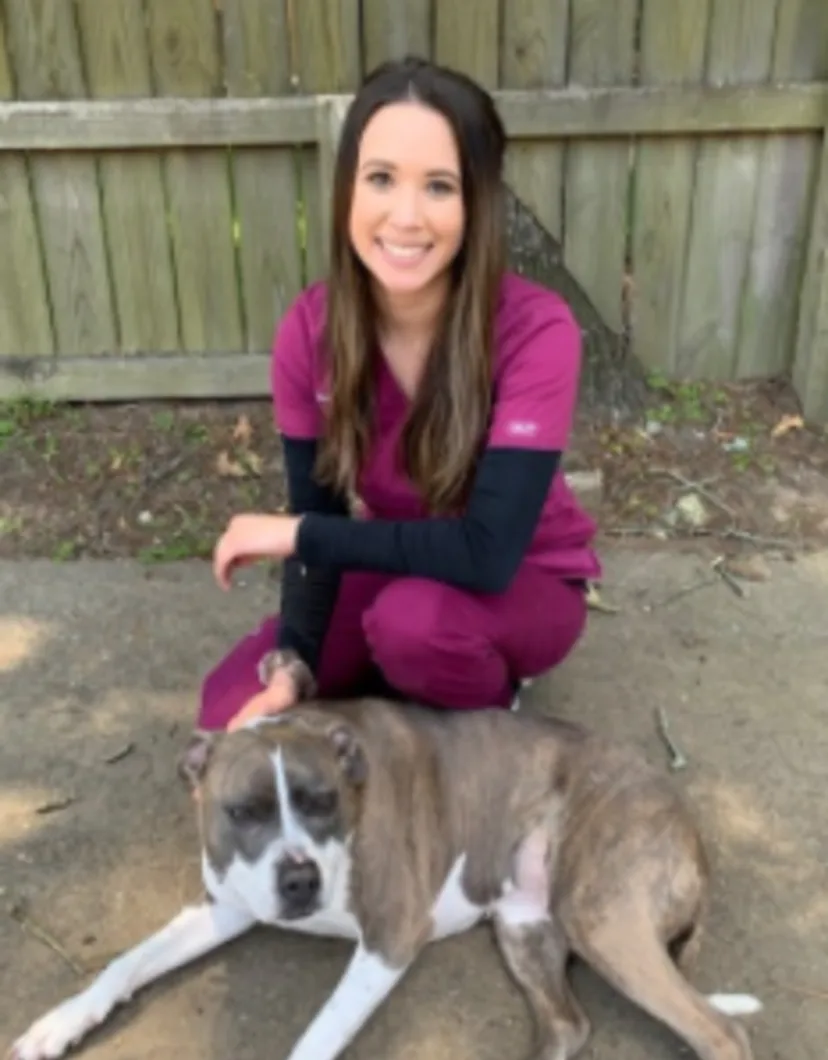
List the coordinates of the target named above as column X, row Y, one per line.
column 64, row 1026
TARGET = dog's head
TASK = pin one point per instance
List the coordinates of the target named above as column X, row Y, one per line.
column 278, row 803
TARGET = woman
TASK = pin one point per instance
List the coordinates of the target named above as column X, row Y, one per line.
column 438, row 389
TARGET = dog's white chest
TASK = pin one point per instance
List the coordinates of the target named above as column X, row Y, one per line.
column 453, row 913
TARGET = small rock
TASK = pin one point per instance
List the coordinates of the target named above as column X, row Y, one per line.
column 750, row 568
column 145, row 518
column 691, row 511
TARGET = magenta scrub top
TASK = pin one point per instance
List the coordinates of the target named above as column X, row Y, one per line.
column 536, row 376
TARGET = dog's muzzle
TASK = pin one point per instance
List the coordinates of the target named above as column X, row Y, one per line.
column 299, row 884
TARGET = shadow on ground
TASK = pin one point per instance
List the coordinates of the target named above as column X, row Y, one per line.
column 102, row 661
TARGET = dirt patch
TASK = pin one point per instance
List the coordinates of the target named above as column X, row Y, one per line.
column 159, row 480
column 155, row 480
column 732, row 465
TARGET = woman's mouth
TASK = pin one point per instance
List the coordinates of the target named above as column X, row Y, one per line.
column 403, row 255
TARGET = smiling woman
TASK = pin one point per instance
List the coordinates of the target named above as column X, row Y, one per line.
column 439, row 388
column 406, row 223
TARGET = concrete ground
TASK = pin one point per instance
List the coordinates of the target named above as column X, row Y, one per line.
column 103, row 660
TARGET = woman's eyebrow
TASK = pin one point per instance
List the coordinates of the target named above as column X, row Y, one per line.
column 390, row 165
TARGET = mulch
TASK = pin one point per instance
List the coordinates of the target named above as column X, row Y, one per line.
column 159, row 480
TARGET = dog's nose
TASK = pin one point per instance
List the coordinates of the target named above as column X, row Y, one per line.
column 299, row 882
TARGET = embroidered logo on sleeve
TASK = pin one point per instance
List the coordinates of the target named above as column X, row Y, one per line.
column 522, row 428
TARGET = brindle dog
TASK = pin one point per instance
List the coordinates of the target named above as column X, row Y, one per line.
column 394, row 825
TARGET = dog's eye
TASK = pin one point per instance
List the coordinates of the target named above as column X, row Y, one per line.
column 313, row 803
column 250, row 812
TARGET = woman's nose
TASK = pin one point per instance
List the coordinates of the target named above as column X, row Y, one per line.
column 405, row 208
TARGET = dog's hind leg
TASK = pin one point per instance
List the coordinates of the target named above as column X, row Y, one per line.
column 536, row 955
column 535, row 950
column 624, row 947
column 194, row 932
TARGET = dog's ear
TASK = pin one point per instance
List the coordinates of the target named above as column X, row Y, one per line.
column 194, row 758
column 349, row 752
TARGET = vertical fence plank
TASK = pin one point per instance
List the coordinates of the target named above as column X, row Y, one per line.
column 467, row 37
column 394, row 28
column 596, row 212
column 25, row 322
column 327, row 60
column 727, row 173
column 47, row 65
column 185, row 53
column 257, row 63
column 329, row 46
column 673, row 41
column 810, row 363
column 787, row 165
column 113, row 38
column 534, row 57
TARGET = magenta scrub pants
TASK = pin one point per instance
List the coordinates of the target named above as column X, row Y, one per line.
column 429, row 642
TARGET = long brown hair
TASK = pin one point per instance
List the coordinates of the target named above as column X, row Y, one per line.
column 450, row 413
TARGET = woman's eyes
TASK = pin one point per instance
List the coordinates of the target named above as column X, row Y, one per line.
column 380, row 179
column 441, row 187
column 436, row 187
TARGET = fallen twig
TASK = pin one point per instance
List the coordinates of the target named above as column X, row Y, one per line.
column 17, row 913
column 759, row 540
column 55, row 804
column 118, row 755
column 696, row 487
column 718, row 566
column 639, row 531
column 154, row 476
column 688, row 533
column 678, row 759
column 685, row 591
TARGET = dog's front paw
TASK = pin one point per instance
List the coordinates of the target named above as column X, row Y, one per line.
column 51, row 1035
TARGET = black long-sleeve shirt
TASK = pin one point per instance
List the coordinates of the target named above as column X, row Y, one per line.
column 479, row 551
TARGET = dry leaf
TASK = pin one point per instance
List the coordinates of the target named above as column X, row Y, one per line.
column 787, row 423
column 243, row 432
column 596, row 602
column 117, row 462
column 753, row 568
column 253, row 462
column 227, row 467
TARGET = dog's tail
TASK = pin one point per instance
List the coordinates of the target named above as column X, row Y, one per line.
column 735, row 1004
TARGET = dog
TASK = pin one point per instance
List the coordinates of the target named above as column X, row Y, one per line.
column 395, row 825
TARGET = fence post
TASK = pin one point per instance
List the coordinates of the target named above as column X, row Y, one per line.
column 330, row 116
column 810, row 366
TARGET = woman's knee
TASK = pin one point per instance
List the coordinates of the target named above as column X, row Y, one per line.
column 432, row 647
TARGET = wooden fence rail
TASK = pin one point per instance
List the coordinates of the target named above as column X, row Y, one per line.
column 165, row 164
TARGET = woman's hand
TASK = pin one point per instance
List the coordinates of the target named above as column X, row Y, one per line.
column 278, row 696
column 250, row 538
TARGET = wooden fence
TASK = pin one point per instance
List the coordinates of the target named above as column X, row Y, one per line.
column 164, row 167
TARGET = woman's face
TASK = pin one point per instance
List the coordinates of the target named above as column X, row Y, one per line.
column 407, row 212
